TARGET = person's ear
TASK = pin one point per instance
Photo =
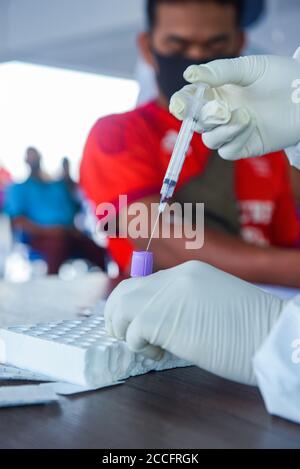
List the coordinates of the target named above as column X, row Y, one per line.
column 144, row 44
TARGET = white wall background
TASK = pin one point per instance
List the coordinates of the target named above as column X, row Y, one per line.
column 54, row 110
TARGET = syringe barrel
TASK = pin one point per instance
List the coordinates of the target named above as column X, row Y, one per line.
column 180, row 150
column 197, row 102
column 168, row 188
column 182, row 144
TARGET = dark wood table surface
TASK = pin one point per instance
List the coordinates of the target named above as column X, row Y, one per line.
column 181, row 408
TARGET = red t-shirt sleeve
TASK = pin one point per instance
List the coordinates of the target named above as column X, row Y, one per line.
column 285, row 225
column 118, row 160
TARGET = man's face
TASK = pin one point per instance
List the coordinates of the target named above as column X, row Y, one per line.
column 196, row 31
column 66, row 165
column 33, row 159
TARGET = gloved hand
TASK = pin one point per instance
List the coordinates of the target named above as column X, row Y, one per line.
column 254, row 106
column 196, row 312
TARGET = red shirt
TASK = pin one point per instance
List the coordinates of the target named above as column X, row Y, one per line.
column 5, row 178
column 128, row 154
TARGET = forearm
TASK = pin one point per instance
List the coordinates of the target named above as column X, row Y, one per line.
column 252, row 263
column 26, row 225
column 34, row 229
column 268, row 265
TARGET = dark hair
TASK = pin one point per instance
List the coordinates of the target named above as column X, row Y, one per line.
column 153, row 4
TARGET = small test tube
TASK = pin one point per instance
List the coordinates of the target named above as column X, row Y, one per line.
column 141, row 264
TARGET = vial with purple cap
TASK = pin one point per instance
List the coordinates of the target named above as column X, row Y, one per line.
column 141, row 264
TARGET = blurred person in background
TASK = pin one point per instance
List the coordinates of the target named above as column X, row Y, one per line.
column 82, row 221
column 250, row 213
column 73, row 187
column 66, row 175
column 43, row 211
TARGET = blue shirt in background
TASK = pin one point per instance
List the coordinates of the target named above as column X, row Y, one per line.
column 45, row 203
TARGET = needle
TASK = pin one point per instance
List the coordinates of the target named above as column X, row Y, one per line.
column 152, row 234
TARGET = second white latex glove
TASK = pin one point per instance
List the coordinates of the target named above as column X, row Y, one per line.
column 254, row 106
column 196, row 312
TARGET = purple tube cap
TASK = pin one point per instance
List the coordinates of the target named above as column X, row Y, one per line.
column 141, row 264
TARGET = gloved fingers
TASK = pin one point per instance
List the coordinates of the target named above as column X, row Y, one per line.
column 297, row 54
column 237, row 127
column 242, row 71
column 109, row 327
column 213, row 114
column 114, row 304
column 119, row 310
column 118, row 317
column 107, row 317
column 246, row 145
column 120, row 321
column 181, row 100
column 151, row 352
column 139, row 344
column 125, row 311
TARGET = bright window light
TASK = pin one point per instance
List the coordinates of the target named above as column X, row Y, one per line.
column 53, row 110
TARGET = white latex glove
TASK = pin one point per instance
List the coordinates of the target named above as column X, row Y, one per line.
column 277, row 364
column 196, row 312
column 253, row 107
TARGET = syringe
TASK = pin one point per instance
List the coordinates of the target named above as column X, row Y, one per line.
column 189, row 124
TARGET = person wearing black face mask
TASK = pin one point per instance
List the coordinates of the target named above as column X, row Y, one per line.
column 175, row 40
column 172, row 67
column 128, row 155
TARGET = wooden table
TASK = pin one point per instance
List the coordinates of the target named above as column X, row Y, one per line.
column 183, row 408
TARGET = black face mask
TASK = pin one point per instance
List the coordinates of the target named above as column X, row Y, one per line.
column 171, row 68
